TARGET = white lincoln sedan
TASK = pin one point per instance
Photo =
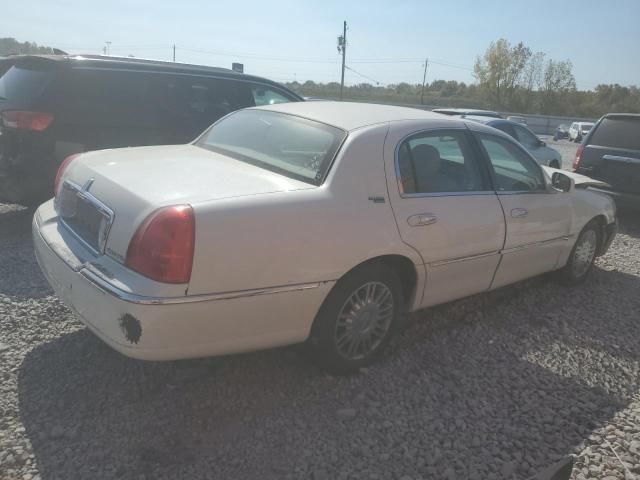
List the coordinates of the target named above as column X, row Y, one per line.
column 321, row 222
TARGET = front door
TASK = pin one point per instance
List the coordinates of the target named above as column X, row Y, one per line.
column 445, row 209
column 538, row 217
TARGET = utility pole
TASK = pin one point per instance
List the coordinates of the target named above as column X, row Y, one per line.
column 342, row 48
column 174, row 53
column 424, row 79
column 107, row 48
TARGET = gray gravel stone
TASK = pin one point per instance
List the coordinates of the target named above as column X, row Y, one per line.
column 519, row 377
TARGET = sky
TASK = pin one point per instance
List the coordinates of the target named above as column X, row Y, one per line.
column 387, row 41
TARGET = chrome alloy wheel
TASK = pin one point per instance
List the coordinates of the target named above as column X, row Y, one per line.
column 364, row 320
column 584, row 253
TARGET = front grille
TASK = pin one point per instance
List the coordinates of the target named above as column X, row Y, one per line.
column 84, row 215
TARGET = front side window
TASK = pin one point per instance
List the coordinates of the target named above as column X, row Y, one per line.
column 439, row 162
column 514, row 170
column 526, row 138
column 291, row 146
column 506, row 128
column 267, row 96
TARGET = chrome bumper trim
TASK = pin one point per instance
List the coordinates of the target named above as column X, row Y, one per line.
column 107, row 287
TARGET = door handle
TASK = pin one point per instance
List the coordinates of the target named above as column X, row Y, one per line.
column 422, row 219
column 519, row 212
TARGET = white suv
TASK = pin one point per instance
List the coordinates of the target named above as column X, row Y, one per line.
column 578, row 130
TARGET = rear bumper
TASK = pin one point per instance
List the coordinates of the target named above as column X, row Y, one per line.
column 623, row 200
column 150, row 328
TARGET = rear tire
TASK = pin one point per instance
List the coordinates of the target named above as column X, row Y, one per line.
column 357, row 319
column 583, row 255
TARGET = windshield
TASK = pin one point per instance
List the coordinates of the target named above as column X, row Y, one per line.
column 586, row 127
column 292, row 146
column 21, row 84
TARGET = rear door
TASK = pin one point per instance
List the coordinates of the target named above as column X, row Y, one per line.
column 611, row 153
column 445, row 208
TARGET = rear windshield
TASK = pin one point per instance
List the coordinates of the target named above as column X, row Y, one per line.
column 291, row 146
column 19, row 84
column 617, row 133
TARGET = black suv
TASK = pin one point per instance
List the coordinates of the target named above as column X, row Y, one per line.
column 611, row 153
column 52, row 106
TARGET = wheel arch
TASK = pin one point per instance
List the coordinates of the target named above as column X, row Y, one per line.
column 403, row 266
column 601, row 221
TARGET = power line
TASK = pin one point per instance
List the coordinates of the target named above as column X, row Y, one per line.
column 362, row 75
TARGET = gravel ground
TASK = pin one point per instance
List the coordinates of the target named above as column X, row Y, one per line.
column 497, row 386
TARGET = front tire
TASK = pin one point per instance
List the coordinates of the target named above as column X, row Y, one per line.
column 554, row 164
column 357, row 319
column 583, row 255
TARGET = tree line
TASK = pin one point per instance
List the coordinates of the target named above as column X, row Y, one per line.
column 509, row 78
column 10, row 46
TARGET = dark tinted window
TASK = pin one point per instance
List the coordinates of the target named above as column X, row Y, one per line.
column 617, row 133
column 20, row 84
column 437, row 163
column 268, row 96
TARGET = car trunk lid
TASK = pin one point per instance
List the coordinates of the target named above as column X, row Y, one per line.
column 109, row 193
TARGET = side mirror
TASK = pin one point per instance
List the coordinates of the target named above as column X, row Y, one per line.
column 562, row 182
column 541, row 143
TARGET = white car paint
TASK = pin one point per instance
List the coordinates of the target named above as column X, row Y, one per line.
column 578, row 130
column 269, row 249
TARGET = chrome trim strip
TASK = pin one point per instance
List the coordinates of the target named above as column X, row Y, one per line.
column 564, row 238
column 617, row 158
column 107, row 287
column 444, row 194
column 464, row 259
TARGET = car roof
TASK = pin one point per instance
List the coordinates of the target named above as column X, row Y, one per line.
column 467, row 111
column 492, row 122
column 352, row 115
column 129, row 63
column 622, row 115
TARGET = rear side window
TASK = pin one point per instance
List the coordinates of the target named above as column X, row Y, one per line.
column 438, row 162
column 20, row 84
column 617, row 133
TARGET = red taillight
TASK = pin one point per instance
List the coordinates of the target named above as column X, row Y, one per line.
column 576, row 161
column 21, row 120
column 162, row 247
column 65, row 163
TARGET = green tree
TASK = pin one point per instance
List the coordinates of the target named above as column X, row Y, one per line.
column 500, row 69
column 557, row 82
